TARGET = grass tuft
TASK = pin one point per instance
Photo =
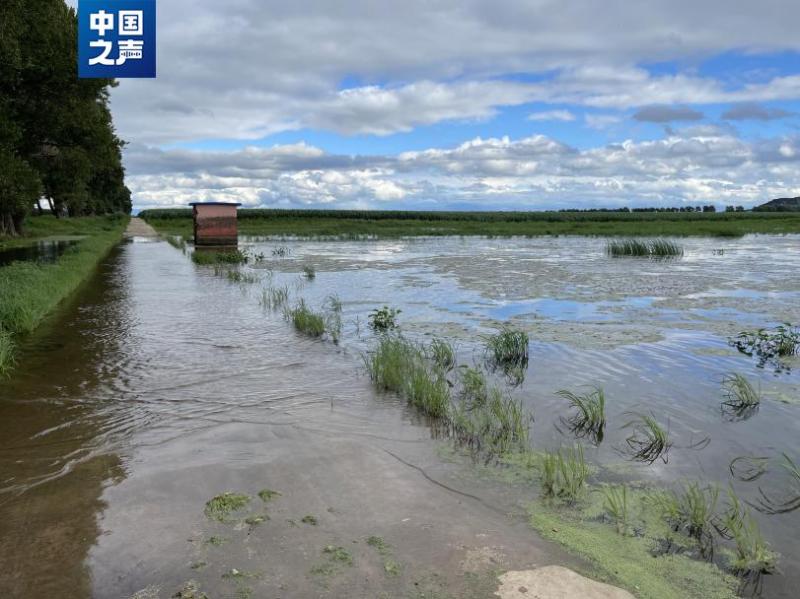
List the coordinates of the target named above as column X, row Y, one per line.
column 615, row 502
column 742, row 400
column 563, row 474
column 309, row 273
column 508, row 348
column 211, row 256
column 443, row 354
column 691, row 511
column 654, row 248
column 267, row 495
column 648, row 440
column 306, row 320
column 274, row 298
column 590, row 418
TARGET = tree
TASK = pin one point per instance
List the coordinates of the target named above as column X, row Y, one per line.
column 56, row 131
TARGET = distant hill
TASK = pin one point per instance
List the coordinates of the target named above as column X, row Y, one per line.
column 780, row 205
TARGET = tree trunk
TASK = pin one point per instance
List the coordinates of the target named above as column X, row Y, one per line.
column 7, row 225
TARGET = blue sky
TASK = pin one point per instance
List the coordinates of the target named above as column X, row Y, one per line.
column 524, row 105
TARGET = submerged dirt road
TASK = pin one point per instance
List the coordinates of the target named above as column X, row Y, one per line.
column 157, row 389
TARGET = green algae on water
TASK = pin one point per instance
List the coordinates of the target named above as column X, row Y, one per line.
column 222, row 506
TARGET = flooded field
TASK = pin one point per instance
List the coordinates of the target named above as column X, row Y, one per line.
column 164, row 384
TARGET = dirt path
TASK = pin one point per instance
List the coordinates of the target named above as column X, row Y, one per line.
column 138, row 228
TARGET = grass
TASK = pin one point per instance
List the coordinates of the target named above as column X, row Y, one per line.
column 615, row 502
column 654, row 248
column 648, row 441
column 306, row 320
column 213, row 256
column 176, row 241
column 497, row 426
column 590, row 416
column 474, row 390
column 692, row 511
column 563, row 474
column 30, row 290
column 741, row 398
column 508, row 348
column 443, row 354
column 237, row 276
column 309, row 519
column 267, row 495
column 359, row 224
column 274, row 298
column 222, row 506
column 309, row 273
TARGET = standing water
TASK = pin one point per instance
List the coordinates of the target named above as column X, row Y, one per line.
column 162, row 385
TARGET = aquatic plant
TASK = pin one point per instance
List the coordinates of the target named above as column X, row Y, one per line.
column 221, row 506
column 309, row 519
column 274, row 298
column 281, row 251
column 237, row 276
column 400, row 365
column 306, row 320
column 383, row 319
column 691, row 511
column 176, row 241
column 6, row 353
column 742, row 400
column 748, row 468
column 443, row 354
column 309, row 273
column 769, row 345
column 615, row 502
column 590, row 418
column 563, row 474
column 210, row 256
column 474, row 391
column 267, row 495
column 654, row 248
column 648, row 440
column 508, row 348
column 338, row 554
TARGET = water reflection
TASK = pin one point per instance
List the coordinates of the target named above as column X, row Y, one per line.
column 44, row 251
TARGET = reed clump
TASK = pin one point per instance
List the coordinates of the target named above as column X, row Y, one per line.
column 508, row 348
column 204, row 257
column 495, row 423
column 615, row 503
column 652, row 248
column 306, row 320
column 563, row 474
column 274, row 298
column 648, row 441
column 741, row 399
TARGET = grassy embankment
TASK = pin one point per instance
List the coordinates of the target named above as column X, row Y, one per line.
column 354, row 224
column 29, row 290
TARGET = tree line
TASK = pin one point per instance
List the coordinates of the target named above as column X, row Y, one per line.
column 57, row 139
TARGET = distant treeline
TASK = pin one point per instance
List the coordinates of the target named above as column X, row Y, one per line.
column 708, row 208
column 57, row 139
column 598, row 215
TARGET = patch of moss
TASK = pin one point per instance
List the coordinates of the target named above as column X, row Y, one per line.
column 222, row 506
column 628, row 560
column 338, row 554
column 379, row 544
column 256, row 520
column 216, row 541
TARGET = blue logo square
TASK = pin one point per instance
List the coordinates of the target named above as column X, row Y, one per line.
column 116, row 39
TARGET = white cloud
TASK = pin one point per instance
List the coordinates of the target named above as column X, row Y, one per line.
column 552, row 115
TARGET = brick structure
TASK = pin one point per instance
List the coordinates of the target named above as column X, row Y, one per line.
column 214, row 223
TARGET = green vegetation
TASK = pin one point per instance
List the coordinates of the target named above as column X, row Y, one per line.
column 309, row 273
column 267, row 495
column 508, row 348
column 306, row 320
column 497, row 426
column 309, row 519
column 177, row 242
column 741, row 398
column 281, row 251
column 358, row 224
column 57, row 139
column 770, row 505
column 274, row 298
column 31, row 290
column 443, row 354
column 769, row 346
column 338, row 554
column 615, row 502
column 563, row 474
column 654, row 248
column 590, row 418
column 390, row 566
column 383, row 319
column 222, row 506
column 212, row 256
column 238, row 276
column 648, row 440
column 474, row 389
column 691, row 511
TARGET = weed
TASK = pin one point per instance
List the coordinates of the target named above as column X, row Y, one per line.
column 306, row 320
column 590, row 418
column 382, row 320
column 615, row 502
column 176, row 241
column 443, row 354
column 563, row 474
column 691, row 511
column 216, row 541
column 379, row 544
column 742, row 400
column 309, row 519
column 238, row 276
column 474, row 391
column 309, row 273
column 209, row 256
column 274, row 298
column 281, row 251
column 267, row 495
column 769, row 346
column 508, row 348
column 655, row 248
column 7, row 359
column 333, row 317
column 221, row 506
column 254, row 521
column 648, row 441
column 338, row 554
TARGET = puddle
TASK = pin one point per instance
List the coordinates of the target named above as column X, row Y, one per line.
column 45, row 251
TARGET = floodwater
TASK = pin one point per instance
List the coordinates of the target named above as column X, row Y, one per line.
column 161, row 385
column 44, row 250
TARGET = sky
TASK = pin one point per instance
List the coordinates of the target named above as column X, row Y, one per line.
column 440, row 104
